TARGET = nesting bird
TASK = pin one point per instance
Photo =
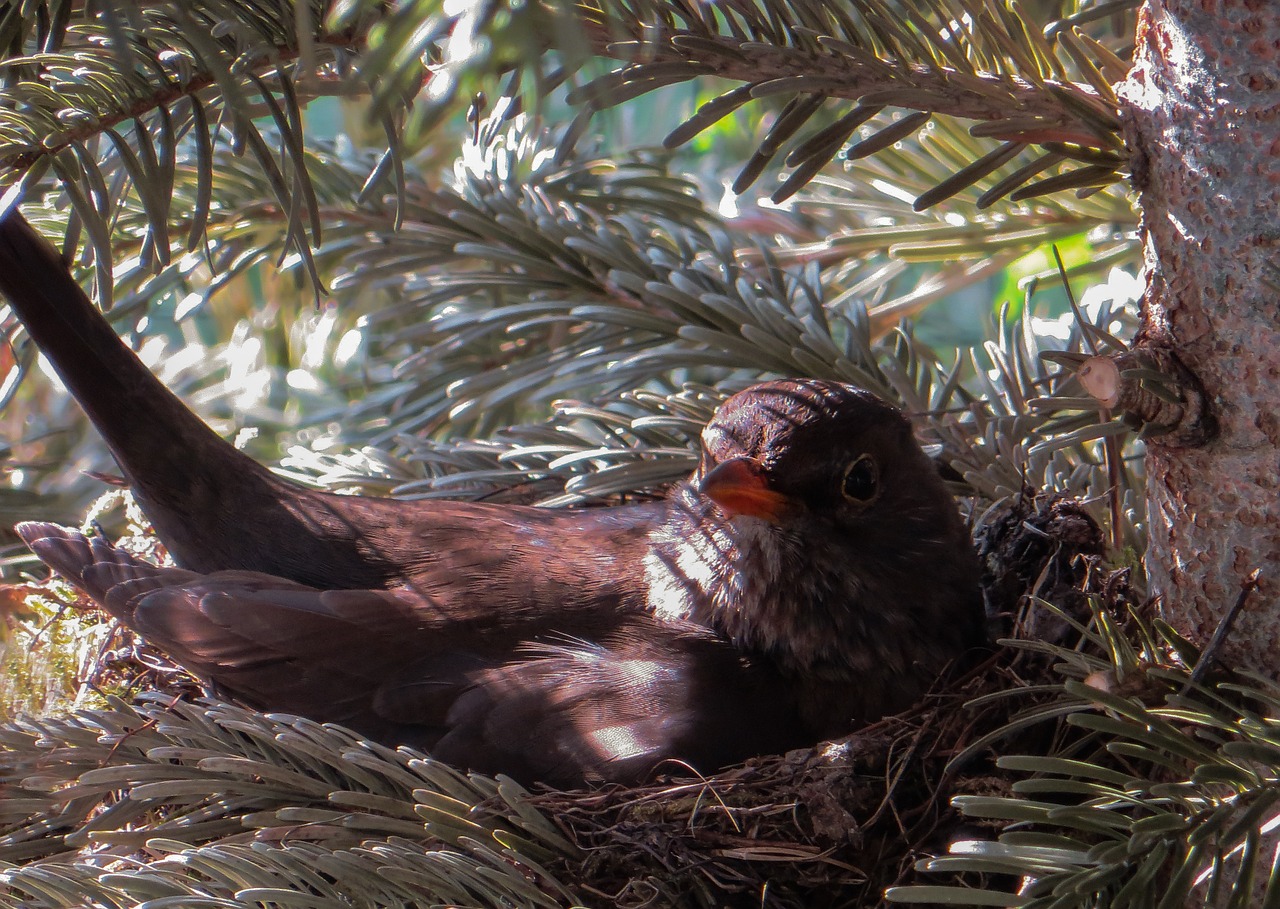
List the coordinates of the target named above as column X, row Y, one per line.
column 813, row 574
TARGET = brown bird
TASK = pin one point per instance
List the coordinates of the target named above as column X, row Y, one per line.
column 812, row 575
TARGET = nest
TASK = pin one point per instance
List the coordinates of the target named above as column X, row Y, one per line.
column 831, row 826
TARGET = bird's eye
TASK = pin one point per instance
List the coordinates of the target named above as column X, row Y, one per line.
column 861, row 480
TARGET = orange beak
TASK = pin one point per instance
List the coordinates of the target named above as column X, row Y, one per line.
column 739, row 487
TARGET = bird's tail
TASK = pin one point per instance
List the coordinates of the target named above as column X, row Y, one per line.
column 214, row 507
column 106, row 377
column 149, row 430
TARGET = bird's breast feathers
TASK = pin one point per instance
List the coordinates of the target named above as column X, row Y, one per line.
column 738, row 576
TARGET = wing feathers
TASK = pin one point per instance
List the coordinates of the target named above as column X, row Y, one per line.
column 625, row 694
column 650, row 692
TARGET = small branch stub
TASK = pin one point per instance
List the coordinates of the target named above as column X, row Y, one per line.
column 1100, row 377
column 1155, row 392
column 1210, row 652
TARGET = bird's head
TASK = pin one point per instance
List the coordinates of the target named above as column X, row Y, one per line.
column 801, row 452
column 860, row 564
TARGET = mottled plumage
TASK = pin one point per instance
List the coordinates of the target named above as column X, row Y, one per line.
column 813, row 574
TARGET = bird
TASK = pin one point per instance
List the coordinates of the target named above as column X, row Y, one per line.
column 812, row 575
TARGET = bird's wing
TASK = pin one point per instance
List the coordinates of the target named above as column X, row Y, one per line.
column 615, row 709
column 282, row 646
column 626, row 693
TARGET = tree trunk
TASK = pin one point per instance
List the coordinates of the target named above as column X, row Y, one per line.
column 1203, row 118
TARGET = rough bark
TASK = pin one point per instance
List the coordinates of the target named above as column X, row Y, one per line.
column 1203, row 119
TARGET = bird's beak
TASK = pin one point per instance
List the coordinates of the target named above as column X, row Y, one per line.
column 739, row 487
